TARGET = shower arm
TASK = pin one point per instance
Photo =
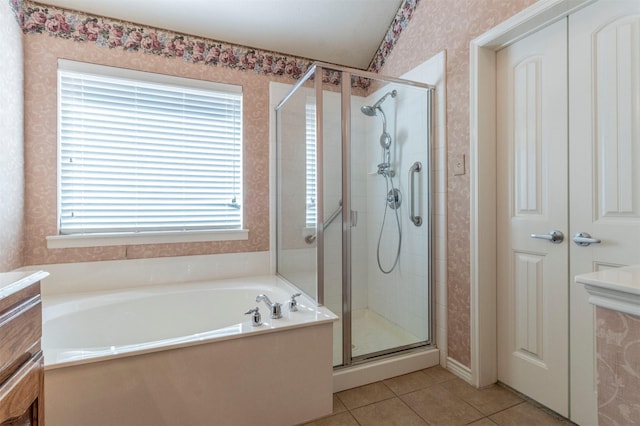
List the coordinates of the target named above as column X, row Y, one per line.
column 309, row 239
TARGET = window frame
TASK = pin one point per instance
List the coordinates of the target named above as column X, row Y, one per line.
column 311, row 209
column 141, row 237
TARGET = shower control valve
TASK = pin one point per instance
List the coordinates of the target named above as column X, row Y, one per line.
column 394, row 198
column 293, row 303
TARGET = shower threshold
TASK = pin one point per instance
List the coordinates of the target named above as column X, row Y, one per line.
column 371, row 333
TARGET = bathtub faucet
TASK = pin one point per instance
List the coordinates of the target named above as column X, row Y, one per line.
column 275, row 308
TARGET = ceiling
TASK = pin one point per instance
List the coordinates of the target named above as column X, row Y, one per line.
column 343, row 32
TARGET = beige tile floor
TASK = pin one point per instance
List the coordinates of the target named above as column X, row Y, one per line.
column 434, row 396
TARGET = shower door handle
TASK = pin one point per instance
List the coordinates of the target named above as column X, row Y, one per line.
column 415, row 168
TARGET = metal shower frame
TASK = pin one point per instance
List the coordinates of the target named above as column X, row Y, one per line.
column 316, row 70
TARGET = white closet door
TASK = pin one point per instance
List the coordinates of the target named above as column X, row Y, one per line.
column 604, row 142
column 533, row 290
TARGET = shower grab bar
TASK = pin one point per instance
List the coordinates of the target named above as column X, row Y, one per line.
column 309, row 239
column 415, row 168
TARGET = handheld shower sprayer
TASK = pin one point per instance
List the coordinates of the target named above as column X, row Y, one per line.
column 393, row 196
column 370, row 110
column 385, row 138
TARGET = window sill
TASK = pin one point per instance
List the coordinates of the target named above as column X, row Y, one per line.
column 123, row 239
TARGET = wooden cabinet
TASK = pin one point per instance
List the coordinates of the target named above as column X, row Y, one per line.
column 21, row 360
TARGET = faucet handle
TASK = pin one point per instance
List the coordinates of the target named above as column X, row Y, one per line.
column 276, row 310
column 293, row 303
column 256, row 318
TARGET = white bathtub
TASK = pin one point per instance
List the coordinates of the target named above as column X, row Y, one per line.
column 185, row 354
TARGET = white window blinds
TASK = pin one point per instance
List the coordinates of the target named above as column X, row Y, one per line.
column 147, row 153
column 310, row 121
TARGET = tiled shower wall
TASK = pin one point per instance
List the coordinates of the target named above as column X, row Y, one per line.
column 400, row 296
column 11, row 141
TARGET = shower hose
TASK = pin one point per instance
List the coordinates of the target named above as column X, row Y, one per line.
column 389, row 182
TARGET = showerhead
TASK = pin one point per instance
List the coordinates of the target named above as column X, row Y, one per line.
column 371, row 110
column 385, row 138
column 368, row 110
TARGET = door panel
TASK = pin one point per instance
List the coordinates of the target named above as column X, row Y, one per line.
column 602, row 186
column 604, row 132
column 532, row 199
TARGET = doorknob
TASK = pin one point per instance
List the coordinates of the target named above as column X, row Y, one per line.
column 584, row 239
column 556, row 237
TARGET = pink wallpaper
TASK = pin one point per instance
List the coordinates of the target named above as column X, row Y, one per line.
column 41, row 53
column 450, row 25
column 618, row 367
column 53, row 33
column 435, row 25
column 11, row 139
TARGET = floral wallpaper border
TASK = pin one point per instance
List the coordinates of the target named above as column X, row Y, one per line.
column 43, row 19
column 16, row 7
column 105, row 32
column 399, row 23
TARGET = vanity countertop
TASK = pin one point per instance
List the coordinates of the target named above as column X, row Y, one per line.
column 12, row 282
column 621, row 279
column 616, row 288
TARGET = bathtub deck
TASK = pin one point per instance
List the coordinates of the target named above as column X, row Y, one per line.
column 232, row 375
column 87, row 327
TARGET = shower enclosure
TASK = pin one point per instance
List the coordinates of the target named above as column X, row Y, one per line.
column 353, row 203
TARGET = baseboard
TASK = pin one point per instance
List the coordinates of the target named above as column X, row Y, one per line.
column 459, row 370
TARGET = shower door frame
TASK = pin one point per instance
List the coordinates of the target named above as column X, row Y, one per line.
column 347, row 73
column 345, row 103
column 316, row 70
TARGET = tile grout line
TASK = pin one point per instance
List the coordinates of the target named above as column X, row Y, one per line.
column 399, row 397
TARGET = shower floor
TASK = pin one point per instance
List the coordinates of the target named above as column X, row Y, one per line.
column 371, row 333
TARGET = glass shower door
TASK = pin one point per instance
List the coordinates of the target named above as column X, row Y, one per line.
column 330, row 116
column 295, row 195
column 353, row 205
column 390, row 249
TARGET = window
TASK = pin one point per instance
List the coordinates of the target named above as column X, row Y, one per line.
column 144, row 152
column 310, row 143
